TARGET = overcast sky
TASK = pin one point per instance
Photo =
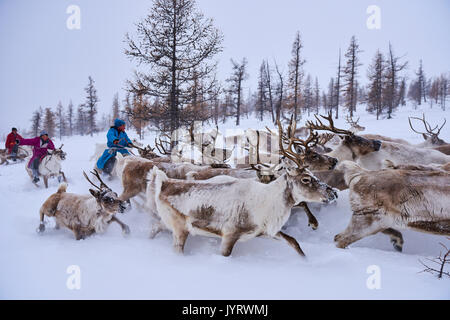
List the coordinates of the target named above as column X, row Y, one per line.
column 43, row 62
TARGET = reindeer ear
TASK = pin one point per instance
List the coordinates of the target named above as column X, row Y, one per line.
column 96, row 194
column 424, row 136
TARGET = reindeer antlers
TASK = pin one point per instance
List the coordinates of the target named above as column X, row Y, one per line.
column 318, row 125
column 160, row 146
column 97, row 175
column 350, row 120
column 288, row 152
column 430, row 132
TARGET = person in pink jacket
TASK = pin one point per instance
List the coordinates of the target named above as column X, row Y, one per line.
column 40, row 145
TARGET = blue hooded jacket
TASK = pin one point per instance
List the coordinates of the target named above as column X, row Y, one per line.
column 113, row 135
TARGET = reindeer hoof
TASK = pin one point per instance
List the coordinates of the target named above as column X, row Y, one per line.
column 397, row 247
column 41, row 228
column 313, row 225
column 126, row 230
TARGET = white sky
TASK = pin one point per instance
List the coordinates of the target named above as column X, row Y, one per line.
column 42, row 62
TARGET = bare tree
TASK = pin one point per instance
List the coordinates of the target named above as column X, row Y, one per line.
column 173, row 40
column 61, row 120
column 269, row 89
column 70, row 118
column 80, row 124
column 262, row 93
column 376, row 78
column 49, row 123
column 91, row 105
column 402, row 93
column 280, row 92
column 421, row 84
column 393, row 67
column 439, row 263
column 36, row 121
column 350, row 75
column 238, row 76
column 295, row 71
column 308, row 95
column 338, row 86
column 316, row 96
column 116, row 107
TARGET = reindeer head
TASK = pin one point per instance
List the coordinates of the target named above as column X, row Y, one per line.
column 106, row 197
column 312, row 159
column 354, row 126
column 59, row 153
column 303, row 184
column 431, row 135
column 147, row 152
column 358, row 145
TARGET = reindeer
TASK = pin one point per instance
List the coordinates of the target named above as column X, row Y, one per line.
column 234, row 209
column 84, row 214
column 362, row 150
column 431, row 136
column 351, row 146
column 50, row 166
column 384, row 200
column 22, row 153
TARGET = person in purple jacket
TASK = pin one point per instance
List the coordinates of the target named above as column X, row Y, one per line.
column 40, row 145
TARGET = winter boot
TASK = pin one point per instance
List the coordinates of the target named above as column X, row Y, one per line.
column 35, row 175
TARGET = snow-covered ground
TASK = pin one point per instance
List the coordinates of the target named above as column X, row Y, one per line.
column 113, row 267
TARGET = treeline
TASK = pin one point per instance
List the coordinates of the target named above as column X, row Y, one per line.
column 67, row 121
column 176, row 83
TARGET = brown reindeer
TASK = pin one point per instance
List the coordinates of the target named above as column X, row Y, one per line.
column 390, row 199
column 84, row 214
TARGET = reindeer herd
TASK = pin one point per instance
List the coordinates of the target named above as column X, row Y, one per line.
column 392, row 185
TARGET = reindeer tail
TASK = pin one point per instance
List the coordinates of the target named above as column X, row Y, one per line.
column 62, row 188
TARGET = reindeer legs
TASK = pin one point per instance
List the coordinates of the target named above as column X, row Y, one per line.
column 291, row 241
column 125, row 228
column 312, row 221
column 396, row 238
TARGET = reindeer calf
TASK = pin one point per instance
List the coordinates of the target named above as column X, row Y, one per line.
column 83, row 214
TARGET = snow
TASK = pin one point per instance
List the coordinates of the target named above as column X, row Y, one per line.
column 116, row 267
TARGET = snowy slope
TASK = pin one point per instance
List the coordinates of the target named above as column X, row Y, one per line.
column 34, row 266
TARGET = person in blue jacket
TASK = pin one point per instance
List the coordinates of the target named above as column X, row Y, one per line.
column 117, row 142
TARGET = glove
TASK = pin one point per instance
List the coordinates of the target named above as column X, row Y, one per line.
column 17, row 141
column 116, row 141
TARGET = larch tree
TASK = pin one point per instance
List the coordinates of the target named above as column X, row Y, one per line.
column 393, row 67
column 70, row 118
column 238, row 76
column 338, row 87
column 49, row 123
column 421, row 84
column 296, row 71
column 116, row 107
column 61, row 120
column 173, row 40
column 316, row 96
column 262, row 91
column 268, row 81
column 350, row 74
column 90, row 106
column 376, row 74
column 280, row 93
column 36, row 122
